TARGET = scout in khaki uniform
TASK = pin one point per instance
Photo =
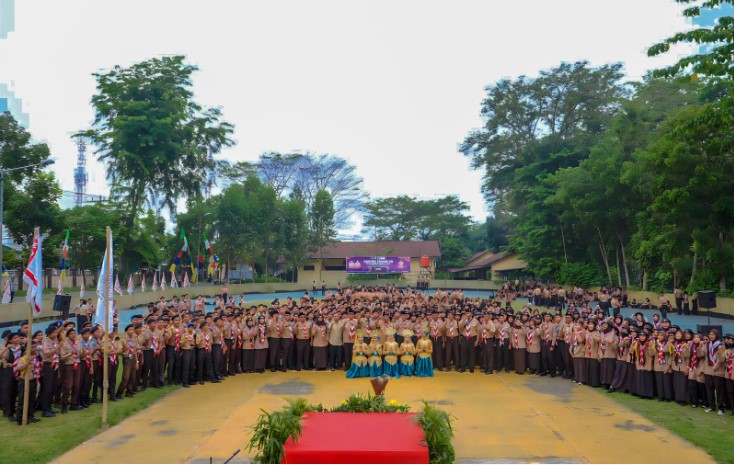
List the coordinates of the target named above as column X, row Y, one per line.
column 502, row 341
column 188, row 359
column 608, row 344
column 275, row 334
column 70, row 371
column 593, row 358
column 50, row 348
column 486, row 342
column 645, row 351
column 303, row 342
column 450, row 343
column 696, row 385
column 468, row 325
column 729, row 369
column 204, row 365
column 129, row 357
column 518, row 340
column 548, row 345
column 336, row 349
column 662, row 369
column 436, row 331
column 288, row 343
column 533, row 343
column 319, row 343
column 261, row 345
column 680, row 355
column 713, row 372
column 577, row 350
column 28, row 366
column 116, row 349
column 349, row 331
column 89, row 347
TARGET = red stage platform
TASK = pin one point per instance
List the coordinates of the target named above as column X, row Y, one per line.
column 358, row 438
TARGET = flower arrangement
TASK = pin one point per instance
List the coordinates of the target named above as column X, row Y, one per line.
column 272, row 429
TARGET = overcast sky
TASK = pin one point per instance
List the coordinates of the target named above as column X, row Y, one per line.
column 392, row 86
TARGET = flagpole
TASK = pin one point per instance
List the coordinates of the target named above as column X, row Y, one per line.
column 106, row 339
column 28, row 349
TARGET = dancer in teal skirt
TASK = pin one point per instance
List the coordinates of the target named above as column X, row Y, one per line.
column 424, row 349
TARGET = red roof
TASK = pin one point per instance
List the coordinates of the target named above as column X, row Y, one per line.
column 378, row 249
column 475, row 264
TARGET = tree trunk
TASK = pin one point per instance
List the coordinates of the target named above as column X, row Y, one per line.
column 644, row 280
column 563, row 237
column 604, row 255
column 624, row 262
column 695, row 261
column 722, row 279
column 619, row 271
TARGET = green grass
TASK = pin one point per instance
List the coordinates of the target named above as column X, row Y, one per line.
column 709, row 431
column 44, row 441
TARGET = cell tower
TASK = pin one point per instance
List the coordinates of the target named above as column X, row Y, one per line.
column 80, row 174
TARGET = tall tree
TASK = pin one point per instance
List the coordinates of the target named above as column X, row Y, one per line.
column 34, row 204
column 154, row 137
column 321, row 221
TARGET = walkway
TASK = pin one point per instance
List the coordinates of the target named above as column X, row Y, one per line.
column 500, row 418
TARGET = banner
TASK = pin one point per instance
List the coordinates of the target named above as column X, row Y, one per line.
column 361, row 265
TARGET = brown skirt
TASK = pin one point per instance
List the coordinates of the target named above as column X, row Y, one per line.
column 261, row 356
column 607, row 370
column 519, row 359
column 631, row 378
column 534, row 361
column 580, row 370
column 680, row 386
column 319, row 358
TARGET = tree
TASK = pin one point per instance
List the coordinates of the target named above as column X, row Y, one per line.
column 154, row 137
column 34, row 203
column 321, row 221
column 17, row 150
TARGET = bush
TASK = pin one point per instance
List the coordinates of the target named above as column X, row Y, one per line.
column 580, row 274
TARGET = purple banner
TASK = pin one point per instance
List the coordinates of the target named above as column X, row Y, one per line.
column 359, row 265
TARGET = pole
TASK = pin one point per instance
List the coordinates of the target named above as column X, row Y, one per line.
column 28, row 349
column 106, row 338
column 2, row 219
column 198, row 250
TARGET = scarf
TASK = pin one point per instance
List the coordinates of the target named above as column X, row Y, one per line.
column 678, row 348
column 712, row 352
column 567, row 334
column 588, row 344
column 661, row 352
column 76, row 354
column 502, row 335
column 517, row 337
column 729, row 363
column 603, row 346
column 154, row 343
column 641, row 355
column 16, row 357
column 484, row 335
column 467, row 330
column 620, row 348
column 694, row 356
column 547, row 333
column 530, row 337
column 207, row 345
column 55, row 358
column 37, row 369
column 87, row 356
column 131, row 348
column 434, row 326
column 277, row 327
column 351, row 330
column 177, row 340
column 262, row 333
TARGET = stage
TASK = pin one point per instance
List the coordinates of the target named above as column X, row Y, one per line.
column 499, row 418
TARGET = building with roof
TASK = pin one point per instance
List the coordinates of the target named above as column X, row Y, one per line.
column 329, row 263
column 488, row 265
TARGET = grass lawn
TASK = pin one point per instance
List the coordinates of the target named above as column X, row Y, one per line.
column 44, row 441
column 709, row 431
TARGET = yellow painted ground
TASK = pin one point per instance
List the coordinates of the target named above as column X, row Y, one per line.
column 500, row 418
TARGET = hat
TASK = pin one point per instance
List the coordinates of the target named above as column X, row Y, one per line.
column 190, row 325
column 729, row 336
column 6, row 333
column 640, row 314
column 86, row 330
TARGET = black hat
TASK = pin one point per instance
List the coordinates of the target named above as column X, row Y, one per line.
column 6, row 333
column 640, row 314
column 729, row 336
column 86, row 330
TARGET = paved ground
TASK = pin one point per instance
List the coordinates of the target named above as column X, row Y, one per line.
column 500, row 418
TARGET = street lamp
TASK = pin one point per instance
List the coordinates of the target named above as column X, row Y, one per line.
column 3, row 172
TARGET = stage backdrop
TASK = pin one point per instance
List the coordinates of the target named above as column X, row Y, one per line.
column 360, row 265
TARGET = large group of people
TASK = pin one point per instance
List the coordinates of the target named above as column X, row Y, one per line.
column 381, row 331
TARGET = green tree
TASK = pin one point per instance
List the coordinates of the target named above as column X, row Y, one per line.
column 155, row 139
column 321, row 221
column 34, row 203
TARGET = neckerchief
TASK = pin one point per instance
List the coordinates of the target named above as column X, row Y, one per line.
column 177, row 340
column 712, row 352
column 87, row 355
column 641, row 355
column 661, row 352
column 262, row 333
column 678, row 348
column 484, row 334
column 589, row 340
column 55, row 357
column 693, row 364
column 37, row 368
column 154, row 343
column 530, row 337
column 729, row 363
column 603, row 346
column 467, row 330
column 16, row 357
column 75, row 351
column 351, row 330
column 207, row 344
column 131, row 347
column 517, row 337
column 277, row 327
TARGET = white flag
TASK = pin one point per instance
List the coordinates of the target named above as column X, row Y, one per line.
column 33, row 276
column 163, row 281
column 60, row 286
column 186, row 280
column 6, row 292
column 81, row 290
column 155, row 281
column 104, row 287
column 142, row 284
column 118, row 288
column 130, row 285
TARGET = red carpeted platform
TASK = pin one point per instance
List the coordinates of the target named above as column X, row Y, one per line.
column 358, row 438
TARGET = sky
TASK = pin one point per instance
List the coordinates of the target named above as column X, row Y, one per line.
column 393, row 87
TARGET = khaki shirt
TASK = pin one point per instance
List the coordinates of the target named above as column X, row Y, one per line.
column 335, row 333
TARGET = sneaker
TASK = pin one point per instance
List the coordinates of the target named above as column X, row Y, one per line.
column 75, row 408
column 720, row 412
column 48, row 414
column 694, row 406
column 709, row 410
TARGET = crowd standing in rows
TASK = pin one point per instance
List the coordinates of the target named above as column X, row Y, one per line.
column 369, row 332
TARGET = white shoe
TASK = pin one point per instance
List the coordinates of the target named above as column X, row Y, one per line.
column 709, row 410
column 720, row 412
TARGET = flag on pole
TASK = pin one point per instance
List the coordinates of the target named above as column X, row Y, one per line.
column 81, row 290
column 118, row 288
column 33, row 275
column 163, row 281
column 60, row 285
column 185, row 247
column 6, row 292
column 155, row 281
column 64, row 256
column 174, row 282
column 142, row 284
column 172, row 269
column 193, row 273
column 104, row 287
column 186, row 280
column 130, row 285
column 207, row 245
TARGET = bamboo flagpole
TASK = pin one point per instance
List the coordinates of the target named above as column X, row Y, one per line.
column 106, row 339
column 33, row 276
